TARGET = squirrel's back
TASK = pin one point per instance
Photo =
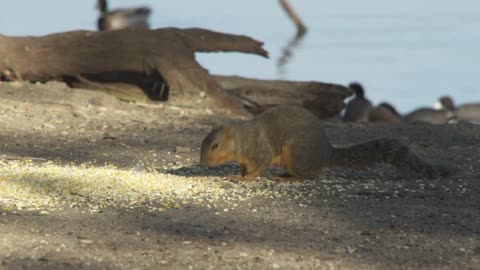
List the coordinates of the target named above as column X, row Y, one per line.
column 286, row 129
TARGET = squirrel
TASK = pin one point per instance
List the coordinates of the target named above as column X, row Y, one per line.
column 293, row 138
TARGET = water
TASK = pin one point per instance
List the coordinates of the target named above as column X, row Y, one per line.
column 407, row 52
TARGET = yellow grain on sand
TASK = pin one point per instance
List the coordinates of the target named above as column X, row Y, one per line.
column 48, row 186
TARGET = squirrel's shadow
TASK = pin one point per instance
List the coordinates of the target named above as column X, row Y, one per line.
column 220, row 171
column 199, row 170
column 232, row 168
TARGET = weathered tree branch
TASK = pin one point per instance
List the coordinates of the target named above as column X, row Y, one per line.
column 326, row 100
column 162, row 63
column 167, row 53
column 301, row 28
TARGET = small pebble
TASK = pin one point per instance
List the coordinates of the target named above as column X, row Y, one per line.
column 86, row 241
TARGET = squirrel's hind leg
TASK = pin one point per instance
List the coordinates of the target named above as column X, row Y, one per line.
column 290, row 163
column 302, row 161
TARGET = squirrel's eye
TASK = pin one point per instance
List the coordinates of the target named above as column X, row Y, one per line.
column 215, row 146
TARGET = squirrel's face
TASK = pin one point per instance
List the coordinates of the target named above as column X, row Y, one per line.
column 218, row 147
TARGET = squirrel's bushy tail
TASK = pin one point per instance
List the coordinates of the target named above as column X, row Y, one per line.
column 384, row 151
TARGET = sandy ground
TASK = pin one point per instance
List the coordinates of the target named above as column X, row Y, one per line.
column 344, row 219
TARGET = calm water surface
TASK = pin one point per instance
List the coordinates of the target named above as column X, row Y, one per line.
column 406, row 52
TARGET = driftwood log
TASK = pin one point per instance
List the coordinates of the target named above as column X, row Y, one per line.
column 326, row 100
column 161, row 62
column 167, row 53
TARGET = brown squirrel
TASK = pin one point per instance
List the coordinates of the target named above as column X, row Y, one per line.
column 293, row 138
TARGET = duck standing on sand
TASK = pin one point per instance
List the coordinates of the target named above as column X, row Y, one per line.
column 358, row 108
column 132, row 18
column 465, row 112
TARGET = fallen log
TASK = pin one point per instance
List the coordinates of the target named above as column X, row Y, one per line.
column 166, row 55
column 161, row 63
column 326, row 100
